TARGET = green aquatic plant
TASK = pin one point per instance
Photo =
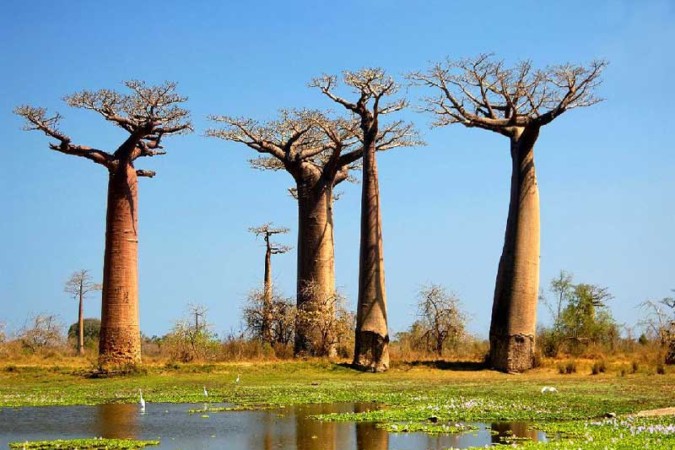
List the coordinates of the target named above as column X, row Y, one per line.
column 83, row 444
column 617, row 433
column 427, row 427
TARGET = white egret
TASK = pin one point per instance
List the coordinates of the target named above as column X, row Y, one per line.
column 206, row 393
column 238, row 378
column 141, row 401
column 550, row 389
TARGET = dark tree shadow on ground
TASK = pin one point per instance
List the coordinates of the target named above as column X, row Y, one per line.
column 459, row 366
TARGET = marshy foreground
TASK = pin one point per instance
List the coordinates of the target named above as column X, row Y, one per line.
column 327, row 405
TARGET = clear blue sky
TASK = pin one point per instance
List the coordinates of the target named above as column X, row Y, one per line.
column 606, row 173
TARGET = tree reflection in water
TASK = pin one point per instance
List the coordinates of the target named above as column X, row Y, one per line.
column 521, row 430
column 117, row 421
column 368, row 435
column 288, row 428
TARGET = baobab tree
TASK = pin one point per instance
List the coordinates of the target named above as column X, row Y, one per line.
column 147, row 113
column 271, row 248
column 514, row 102
column 79, row 285
column 372, row 87
column 318, row 152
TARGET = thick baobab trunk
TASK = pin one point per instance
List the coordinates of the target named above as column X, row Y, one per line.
column 120, row 342
column 371, row 350
column 267, row 294
column 316, row 264
column 512, row 331
column 80, row 323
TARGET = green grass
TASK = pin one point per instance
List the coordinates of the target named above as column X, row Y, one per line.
column 406, row 396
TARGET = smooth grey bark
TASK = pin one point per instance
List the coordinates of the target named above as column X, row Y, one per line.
column 513, row 325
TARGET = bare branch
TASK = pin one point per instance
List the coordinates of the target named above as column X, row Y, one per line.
column 576, row 86
column 148, row 149
column 268, row 229
column 266, row 163
column 398, row 134
column 326, row 84
column 278, row 249
column 298, row 138
column 370, row 84
column 154, row 109
column 37, row 119
column 81, row 283
column 147, row 114
column 480, row 92
column 145, row 173
column 263, row 139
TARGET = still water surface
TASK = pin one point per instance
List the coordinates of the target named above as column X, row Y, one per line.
column 284, row 428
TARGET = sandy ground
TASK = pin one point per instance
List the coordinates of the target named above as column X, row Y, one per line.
column 657, row 412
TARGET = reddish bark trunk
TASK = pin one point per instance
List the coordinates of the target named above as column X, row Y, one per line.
column 120, row 342
column 512, row 330
column 316, row 259
column 371, row 349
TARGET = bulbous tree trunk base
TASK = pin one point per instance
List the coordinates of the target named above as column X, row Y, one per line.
column 120, row 349
column 371, row 352
column 512, row 354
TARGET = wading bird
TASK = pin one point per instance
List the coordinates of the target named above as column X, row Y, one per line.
column 141, row 402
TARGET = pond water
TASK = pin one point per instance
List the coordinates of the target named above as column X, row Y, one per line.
column 283, row 428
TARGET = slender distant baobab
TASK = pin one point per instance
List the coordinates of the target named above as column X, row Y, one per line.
column 514, row 102
column 372, row 87
column 79, row 285
column 147, row 113
column 271, row 248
